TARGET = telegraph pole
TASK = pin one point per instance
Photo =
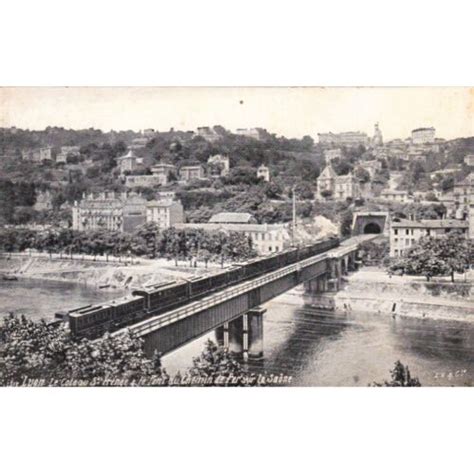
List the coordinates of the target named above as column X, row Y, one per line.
column 293, row 233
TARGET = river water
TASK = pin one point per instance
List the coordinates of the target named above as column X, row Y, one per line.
column 314, row 348
column 42, row 298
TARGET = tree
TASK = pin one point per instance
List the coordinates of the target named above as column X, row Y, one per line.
column 362, row 174
column 436, row 256
column 400, row 377
column 38, row 350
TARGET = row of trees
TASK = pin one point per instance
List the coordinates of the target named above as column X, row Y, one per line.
column 148, row 241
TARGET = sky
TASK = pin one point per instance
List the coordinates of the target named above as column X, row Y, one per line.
column 292, row 112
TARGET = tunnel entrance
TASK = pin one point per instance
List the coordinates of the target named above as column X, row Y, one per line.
column 372, row 228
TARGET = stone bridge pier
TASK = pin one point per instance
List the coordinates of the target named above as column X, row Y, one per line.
column 243, row 336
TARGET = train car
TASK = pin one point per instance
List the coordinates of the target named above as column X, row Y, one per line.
column 127, row 310
column 91, row 321
column 163, row 296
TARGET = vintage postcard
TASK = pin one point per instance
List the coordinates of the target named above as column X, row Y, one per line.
column 225, row 237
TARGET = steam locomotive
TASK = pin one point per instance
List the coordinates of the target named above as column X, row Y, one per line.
column 93, row 321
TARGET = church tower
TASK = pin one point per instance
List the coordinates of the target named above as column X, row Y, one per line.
column 377, row 140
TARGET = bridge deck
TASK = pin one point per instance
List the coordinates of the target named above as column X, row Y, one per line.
column 152, row 324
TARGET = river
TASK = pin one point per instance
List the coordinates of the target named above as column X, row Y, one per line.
column 315, row 349
column 42, row 298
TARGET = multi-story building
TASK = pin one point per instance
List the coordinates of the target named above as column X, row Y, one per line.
column 405, row 233
column 164, row 171
column 190, row 172
column 108, row 210
column 330, row 185
column 165, row 213
column 394, row 195
column 139, row 142
column 263, row 172
column 43, row 201
column 464, row 190
column 218, row 165
column 266, row 238
column 348, row 139
column 420, row 136
column 39, row 154
column 127, row 162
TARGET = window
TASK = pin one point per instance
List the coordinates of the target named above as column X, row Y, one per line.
column 407, row 242
column 407, row 231
column 395, row 231
column 395, row 241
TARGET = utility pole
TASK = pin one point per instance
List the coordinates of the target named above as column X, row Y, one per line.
column 293, row 233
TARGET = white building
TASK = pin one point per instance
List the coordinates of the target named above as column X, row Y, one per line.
column 165, row 213
column 405, row 233
column 263, row 172
column 266, row 238
column 127, row 162
column 393, row 195
column 420, row 136
column 188, row 173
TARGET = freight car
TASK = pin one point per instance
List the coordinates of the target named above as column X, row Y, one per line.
column 93, row 321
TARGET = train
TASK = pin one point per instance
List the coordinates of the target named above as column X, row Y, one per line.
column 92, row 321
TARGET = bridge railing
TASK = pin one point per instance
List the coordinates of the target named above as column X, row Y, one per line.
column 149, row 325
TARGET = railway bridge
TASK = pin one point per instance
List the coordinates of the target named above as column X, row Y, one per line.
column 235, row 312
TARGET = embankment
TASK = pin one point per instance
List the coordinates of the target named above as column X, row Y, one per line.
column 373, row 291
column 95, row 274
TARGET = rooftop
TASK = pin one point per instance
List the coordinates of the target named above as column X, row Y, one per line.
column 432, row 224
column 231, row 218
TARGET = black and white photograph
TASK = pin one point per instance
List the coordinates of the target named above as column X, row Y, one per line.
column 237, row 237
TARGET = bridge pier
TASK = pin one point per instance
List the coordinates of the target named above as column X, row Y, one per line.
column 243, row 336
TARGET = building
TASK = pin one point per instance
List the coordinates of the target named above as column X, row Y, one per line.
column 346, row 187
column 165, row 213
column 266, row 238
column 249, row 132
column 39, row 154
column 145, row 180
column 394, row 195
column 164, row 171
column 208, row 134
column 66, row 151
column 349, row 139
column 263, row 172
column 405, row 233
column 464, row 190
column 127, row 162
column 332, row 153
column 469, row 160
column 108, row 210
column 330, row 185
column 188, row 173
column 420, row 136
column 232, row 218
column 218, row 165
column 377, row 139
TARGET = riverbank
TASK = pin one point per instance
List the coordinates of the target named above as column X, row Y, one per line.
column 97, row 274
column 371, row 290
